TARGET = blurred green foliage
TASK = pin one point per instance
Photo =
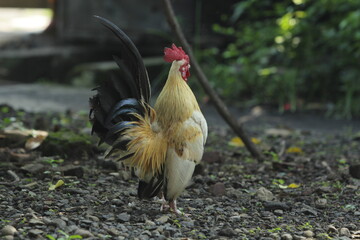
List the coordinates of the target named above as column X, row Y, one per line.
column 290, row 53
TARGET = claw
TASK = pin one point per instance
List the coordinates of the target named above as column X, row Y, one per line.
column 172, row 205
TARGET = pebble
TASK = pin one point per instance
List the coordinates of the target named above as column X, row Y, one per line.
column 113, row 231
column 146, row 232
column 273, row 205
column 331, row 229
column 149, row 223
column 93, row 218
column 72, row 170
column 286, row 236
column 279, row 212
column 297, row 237
column 117, row 202
column 351, row 226
column 8, row 230
column 83, row 232
column 212, row 157
column 35, row 232
column 308, row 210
column 123, row 217
column 163, row 219
column 227, row 232
column 218, row 189
column 33, row 168
column 345, row 232
column 188, row 224
column 8, row 237
column 308, row 233
column 264, row 194
column 35, row 221
column 321, row 202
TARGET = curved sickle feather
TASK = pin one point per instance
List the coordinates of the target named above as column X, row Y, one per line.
column 132, row 59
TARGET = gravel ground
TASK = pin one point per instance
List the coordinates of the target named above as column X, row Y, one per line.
column 307, row 189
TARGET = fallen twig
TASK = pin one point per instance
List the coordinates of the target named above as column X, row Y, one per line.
column 219, row 104
column 13, row 174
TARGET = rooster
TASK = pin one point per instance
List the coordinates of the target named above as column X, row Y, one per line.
column 162, row 143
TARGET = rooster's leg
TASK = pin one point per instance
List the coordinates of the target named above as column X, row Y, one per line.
column 164, row 204
column 172, row 205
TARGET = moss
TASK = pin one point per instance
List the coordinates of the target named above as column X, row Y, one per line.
column 68, row 144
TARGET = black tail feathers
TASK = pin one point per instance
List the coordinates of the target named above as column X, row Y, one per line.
column 112, row 109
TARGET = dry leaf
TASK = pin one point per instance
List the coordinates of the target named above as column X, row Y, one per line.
column 277, row 132
column 294, row 185
column 294, row 150
column 58, row 184
column 35, row 141
column 237, row 142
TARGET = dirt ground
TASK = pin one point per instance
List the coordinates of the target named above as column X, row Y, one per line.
column 62, row 188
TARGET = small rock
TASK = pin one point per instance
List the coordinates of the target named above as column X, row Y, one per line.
column 351, row 226
column 35, row 232
column 273, row 205
column 72, row 170
column 117, row 202
column 344, row 238
column 123, row 217
column 331, row 229
column 308, row 210
column 163, row 219
column 308, row 233
column 71, row 228
column 150, row 223
column 212, row 157
column 321, row 202
column 8, row 237
column 8, row 230
column 227, row 232
column 188, row 224
column 93, row 218
column 84, row 233
column 324, row 189
column 218, row 189
column 275, row 236
column 297, row 237
column 286, row 236
column 345, row 232
column 33, row 168
column 146, row 232
column 279, row 212
column 113, row 231
column 35, row 221
column 59, row 223
column 264, row 195
column 235, row 218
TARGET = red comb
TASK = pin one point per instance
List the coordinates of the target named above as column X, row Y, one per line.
column 175, row 53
